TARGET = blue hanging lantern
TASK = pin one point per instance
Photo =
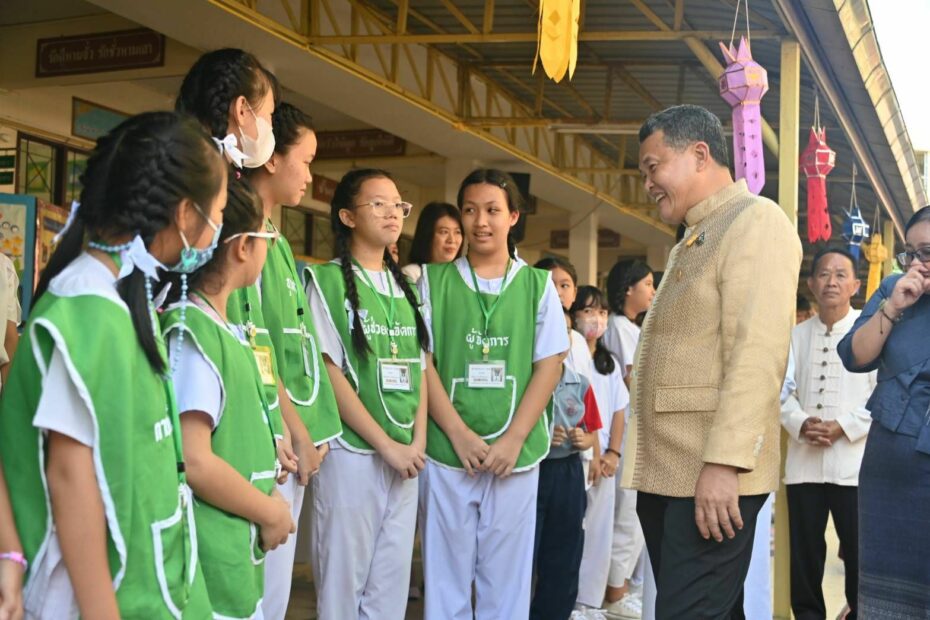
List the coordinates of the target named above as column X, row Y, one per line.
column 855, row 228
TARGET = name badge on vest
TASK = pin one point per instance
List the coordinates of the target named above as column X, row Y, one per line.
column 263, row 361
column 395, row 376
column 487, row 375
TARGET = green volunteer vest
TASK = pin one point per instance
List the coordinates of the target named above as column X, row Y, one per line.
column 151, row 537
column 458, row 339
column 244, row 309
column 296, row 345
column 394, row 411
column 228, row 545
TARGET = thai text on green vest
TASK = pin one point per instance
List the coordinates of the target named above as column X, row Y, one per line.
column 394, row 411
column 459, row 339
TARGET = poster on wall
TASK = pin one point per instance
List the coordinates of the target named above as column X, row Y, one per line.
column 91, row 120
column 51, row 219
column 18, row 241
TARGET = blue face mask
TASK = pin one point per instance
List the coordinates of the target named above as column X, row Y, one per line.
column 193, row 258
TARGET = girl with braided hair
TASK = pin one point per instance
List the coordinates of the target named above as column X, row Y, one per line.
column 310, row 412
column 498, row 337
column 89, row 429
column 233, row 96
column 229, row 442
column 374, row 342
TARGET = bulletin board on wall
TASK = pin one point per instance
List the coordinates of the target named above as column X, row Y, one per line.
column 18, row 241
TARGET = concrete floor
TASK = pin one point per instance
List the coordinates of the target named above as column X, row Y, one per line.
column 303, row 599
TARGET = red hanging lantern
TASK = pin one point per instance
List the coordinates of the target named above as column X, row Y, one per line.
column 817, row 161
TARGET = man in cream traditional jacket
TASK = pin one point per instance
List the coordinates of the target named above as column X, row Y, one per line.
column 827, row 423
column 703, row 449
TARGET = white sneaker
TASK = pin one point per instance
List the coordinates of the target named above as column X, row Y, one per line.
column 629, row 607
column 588, row 613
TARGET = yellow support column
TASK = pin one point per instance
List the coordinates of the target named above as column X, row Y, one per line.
column 888, row 242
column 788, row 152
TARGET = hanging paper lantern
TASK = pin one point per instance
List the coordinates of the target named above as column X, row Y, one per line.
column 817, row 161
column 854, row 228
column 743, row 84
column 876, row 253
column 557, row 34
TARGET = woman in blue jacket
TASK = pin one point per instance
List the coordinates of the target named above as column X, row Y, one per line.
column 892, row 335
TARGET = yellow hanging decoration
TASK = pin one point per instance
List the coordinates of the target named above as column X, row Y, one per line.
column 557, row 33
column 876, row 253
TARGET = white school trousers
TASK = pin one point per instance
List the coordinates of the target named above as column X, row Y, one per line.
column 279, row 563
column 364, row 515
column 628, row 542
column 598, row 539
column 757, row 592
column 477, row 529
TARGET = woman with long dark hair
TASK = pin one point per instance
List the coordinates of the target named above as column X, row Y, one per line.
column 437, row 239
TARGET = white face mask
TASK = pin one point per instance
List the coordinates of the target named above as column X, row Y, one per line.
column 257, row 150
column 592, row 327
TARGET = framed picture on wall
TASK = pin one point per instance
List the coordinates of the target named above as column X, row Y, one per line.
column 91, row 120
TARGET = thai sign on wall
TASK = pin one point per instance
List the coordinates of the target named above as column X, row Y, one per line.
column 358, row 143
column 98, row 52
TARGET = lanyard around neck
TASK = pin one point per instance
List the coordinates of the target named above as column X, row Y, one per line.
column 485, row 310
column 388, row 311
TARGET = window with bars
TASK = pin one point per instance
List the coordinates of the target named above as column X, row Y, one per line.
column 48, row 170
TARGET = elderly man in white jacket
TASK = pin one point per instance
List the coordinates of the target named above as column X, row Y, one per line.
column 827, row 422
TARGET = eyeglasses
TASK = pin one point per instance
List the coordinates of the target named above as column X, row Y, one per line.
column 271, row 235
column 382, row 208
column 213, row 226
column 906, row 258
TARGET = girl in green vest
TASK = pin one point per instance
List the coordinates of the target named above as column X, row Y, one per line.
column 374, row 342
column 498, row 335
column 229, row 444
column 309, row 409
column 89, row 429
column 234, row 96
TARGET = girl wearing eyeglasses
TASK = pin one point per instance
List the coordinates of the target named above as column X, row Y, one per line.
column 308, row 405
column 891, row 336
column 374, row 342
column 229, row 443
column 498, row 335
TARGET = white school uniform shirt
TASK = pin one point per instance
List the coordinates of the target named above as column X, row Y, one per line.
column 825, row 389
column 197, row 383
column 551, row 335
column 579, row 356
column 621, row 339
column 611, row 395
column 49, row 593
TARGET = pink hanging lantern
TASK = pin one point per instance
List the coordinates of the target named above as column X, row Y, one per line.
column 743, row 84
column 817, row 161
